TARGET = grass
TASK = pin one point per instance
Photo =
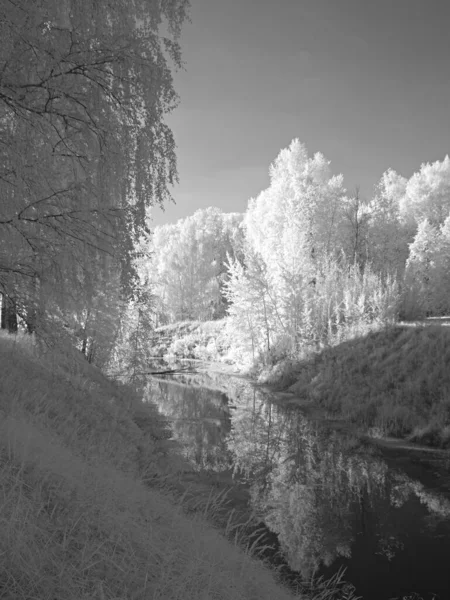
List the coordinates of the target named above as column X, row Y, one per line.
column 395, row 382
column 81, row 514
column 79, row 518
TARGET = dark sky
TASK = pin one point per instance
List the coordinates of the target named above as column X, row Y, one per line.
column 367, row 83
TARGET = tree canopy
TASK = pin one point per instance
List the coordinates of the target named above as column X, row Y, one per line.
column 187, row 271
column 309, row 263
column 84, row 147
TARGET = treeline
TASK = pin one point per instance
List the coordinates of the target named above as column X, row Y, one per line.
column 308, row 262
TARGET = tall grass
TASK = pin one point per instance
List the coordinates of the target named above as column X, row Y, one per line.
column 393, row 382
column 89, row 504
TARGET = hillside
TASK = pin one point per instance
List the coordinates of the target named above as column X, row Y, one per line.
column 393, row 382
column 78, row 518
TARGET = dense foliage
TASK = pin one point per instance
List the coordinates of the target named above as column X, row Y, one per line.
column 308, row 264
column 188, row 268
column 84, row 87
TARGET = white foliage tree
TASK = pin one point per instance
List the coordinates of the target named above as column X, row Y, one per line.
column 421, row 274
column 442, row 293
column 300, row 281
column 85, row 88
column 188, row 265
column 296, row 216
column 388, row 236
column 290, row 226
column 354, row 229
column 427, row 194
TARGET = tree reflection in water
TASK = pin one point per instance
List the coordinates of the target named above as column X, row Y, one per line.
column 324, row 496
column 200, row 422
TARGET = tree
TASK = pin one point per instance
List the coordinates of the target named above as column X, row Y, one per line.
column 428, row 269
column 188, row 267
column 252, row 312
column 428, row 194
column 388, row 236
column 291, row 226
column 442, row 293
column 355, row 226
column 303, row 277
column 294, row 220
column 422, row 274
column 84, row 88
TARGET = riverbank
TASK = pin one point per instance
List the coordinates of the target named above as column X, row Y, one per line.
column 85, row 508
column 426, row 463
column 311, row 483
column 391, row 383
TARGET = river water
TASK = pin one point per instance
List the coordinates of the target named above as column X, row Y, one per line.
column 331, row 500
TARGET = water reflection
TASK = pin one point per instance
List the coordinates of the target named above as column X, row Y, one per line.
column 200, row 422
column 331, row 503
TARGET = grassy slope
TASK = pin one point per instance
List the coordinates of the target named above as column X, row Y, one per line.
column 77, row 520
column 395, row 381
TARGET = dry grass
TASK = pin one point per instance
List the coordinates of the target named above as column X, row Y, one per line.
column 396, row 381
column 77, row 520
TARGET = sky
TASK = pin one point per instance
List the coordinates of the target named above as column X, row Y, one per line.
column 367, row 83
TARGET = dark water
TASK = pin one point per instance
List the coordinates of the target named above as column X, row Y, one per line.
column 330, row 500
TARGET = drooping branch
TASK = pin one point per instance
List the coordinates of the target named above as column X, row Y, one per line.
column 84, row 150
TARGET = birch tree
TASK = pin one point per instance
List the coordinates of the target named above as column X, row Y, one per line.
column 188, row 269
column 442, row 294
column 84, row 90
column 354, row 229
column 388, row 235
column 427, row 277
column 421, row 267
column 427, row 194
column 304, row 278
column 292, row 225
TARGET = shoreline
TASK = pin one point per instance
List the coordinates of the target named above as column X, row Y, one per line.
column 314, row 411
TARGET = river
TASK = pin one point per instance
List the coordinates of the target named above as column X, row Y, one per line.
column 331, row 500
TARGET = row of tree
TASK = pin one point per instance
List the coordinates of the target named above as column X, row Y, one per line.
column 84, row 151
column 308, row 262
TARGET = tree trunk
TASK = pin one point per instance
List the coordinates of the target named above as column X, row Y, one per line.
column 31, row 320
column 9, row 315
column 84, row 333
column 91, row 353
column 3, row 315
column 33, row 306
